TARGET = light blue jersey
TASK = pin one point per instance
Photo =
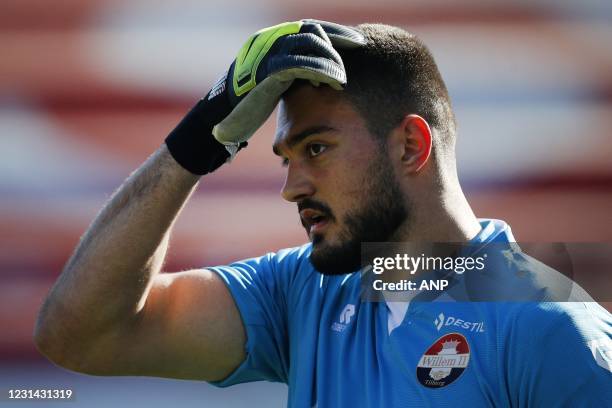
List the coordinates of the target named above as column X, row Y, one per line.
column 314, row 333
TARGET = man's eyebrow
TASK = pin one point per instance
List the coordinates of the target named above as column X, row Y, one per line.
column 298, row 137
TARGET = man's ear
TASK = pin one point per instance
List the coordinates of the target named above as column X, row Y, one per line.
column 415, row 137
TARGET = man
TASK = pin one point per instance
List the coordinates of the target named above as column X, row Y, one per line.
column 367, row 135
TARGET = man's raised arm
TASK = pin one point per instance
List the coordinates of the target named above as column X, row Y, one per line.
column 112, row 312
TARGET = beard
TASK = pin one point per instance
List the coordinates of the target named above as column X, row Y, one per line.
column 382, row 212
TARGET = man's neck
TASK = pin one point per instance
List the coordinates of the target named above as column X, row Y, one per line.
column 448, row 218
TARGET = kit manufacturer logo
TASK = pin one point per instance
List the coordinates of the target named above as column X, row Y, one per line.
column 345, row 318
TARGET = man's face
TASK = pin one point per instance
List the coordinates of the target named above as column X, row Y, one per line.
column 338, row 175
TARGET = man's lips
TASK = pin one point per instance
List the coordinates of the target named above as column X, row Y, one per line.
column 313, row 220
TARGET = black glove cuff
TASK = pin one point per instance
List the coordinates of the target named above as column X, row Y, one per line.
column 192, row 144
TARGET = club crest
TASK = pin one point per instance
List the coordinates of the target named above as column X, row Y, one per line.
column 444, row 361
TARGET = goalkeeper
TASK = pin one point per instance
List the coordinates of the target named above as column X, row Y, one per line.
column 367, row 135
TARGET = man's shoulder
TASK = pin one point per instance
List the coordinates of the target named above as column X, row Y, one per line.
column 537, row 312
column 280, row 267
column 291, row 261
column 287, row 258
column 544, row 324
column 294, row 254
column 288, row 264
column 512, row 275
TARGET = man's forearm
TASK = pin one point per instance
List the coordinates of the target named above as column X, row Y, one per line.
column 104, row 283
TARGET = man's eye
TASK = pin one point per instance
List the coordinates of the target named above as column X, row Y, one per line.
column 316, row 149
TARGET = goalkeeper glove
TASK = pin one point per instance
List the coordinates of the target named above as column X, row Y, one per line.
column 245, row 96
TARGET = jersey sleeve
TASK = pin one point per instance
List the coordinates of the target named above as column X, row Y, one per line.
column 259, row 292
column 562, row 357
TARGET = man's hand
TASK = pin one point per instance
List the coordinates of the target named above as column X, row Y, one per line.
column 270, row 61
column 245, row 96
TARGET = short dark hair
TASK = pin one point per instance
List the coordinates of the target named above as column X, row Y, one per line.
column 393, row 75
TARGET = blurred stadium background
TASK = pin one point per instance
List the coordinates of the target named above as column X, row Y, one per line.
column 89, row 88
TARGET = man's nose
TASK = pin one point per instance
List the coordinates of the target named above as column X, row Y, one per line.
column 297, row 184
